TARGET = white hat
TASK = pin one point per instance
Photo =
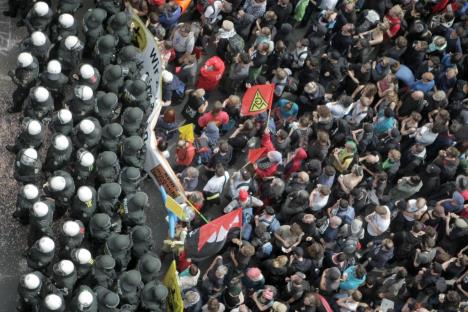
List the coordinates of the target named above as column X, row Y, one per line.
column 34, row 127
column 30, row 191
column 167, row 76
column 58, row 183
column 54, row 67
column 40, row 209
column 53, row 302
column 64, row 115
column 86, row 71
column 25, row 59
column 87, row 159
column 71, row 42
column 85, row 194
column 41, row 94
column 84, row 92
column 61, row 142
column 31, row 281
column 66, row 20
column 41, row 8
column 46, row 244
column 71, row 228
column 83, row 255
column 66, row 267
column 85, row 298
column 30, row 153
column 87, row 126
column 38, row 38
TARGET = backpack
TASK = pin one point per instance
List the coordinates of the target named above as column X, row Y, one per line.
column 178, row 87
column 236, row 45
column 291, row 84
column 203, row 149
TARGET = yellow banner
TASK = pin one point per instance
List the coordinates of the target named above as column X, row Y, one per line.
column 174, row 206
column 186, row 133
column 174, row 299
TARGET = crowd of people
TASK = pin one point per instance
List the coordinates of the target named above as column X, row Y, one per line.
column 356, row 203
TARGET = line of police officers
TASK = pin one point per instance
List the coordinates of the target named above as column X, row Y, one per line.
column 101, row 260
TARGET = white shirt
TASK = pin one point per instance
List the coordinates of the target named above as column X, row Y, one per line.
column 317, row 201
column 411, row 207
column 381, row 223
column 216, row 184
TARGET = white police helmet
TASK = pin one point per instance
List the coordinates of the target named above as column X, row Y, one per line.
column 54, row 67
column 30, row 191
column 66, row 267
column 30, row 154
column 34, row 127
column 41, row 94
column 86, row 71
column 66, row 20
column 58, row 183
column 25, row 59
column 41, row 8
column 85, row 298
column 84, row 92
column 38, row 38
column 85, row 194
column 83, row 255
column 46, row 244
column 71, row 228
column 61, row 142
column 71, row 42
column 31, row 281
column 87, row 126
column 64, row 115
column 86, row 159
column 53, row 302
column 40, row 209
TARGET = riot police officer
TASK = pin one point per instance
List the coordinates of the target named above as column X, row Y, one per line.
column 111, row 6
column 84, row 203
column 119, row 246
column 108, row 301
column 27, row 166
column 69, row 52
column 59, row 153
column 133, row 151
column 38, row 45
column 111, row 137
column 89, row 76
column 65, row 26
column 113, row 78
column 73, row 233
column 88, row 134
column 135, row 94
column 29, row 289
column 40, row 220
column 84, row 300
column 27, row 196
column 62, row 122
column 84, row 167
column 107, row 107
column 142, row 240
column 103, row 271
column 39, row 104
column 82, row 102
column 38, row 17
column 100, row 228
column 83, row 261
column 61, row 187
column 55, row 81
column 41, row 254
column 53, row 302
column 69, row 6
column 119, row 26
column 129, row 180
column 93, row 22
column 129, row 287
column 24, row 77
column 108, row 198
column 127, row 58
column 132, row 119
column 134, row 206
column 64, row 276
column 32, row 135
column 149, row 266
column 107, row 167
column 104, row 51
column 153, row 296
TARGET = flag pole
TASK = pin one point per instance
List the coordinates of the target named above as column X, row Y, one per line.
column 268, row 118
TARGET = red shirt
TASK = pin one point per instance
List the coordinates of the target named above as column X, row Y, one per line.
column 268, row 172
column 185, row 155
column 221, row 118
column 394, row 25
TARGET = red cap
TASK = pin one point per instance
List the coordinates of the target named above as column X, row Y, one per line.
column 243, row 195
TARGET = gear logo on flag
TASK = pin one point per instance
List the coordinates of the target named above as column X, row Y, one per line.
column 258, row 103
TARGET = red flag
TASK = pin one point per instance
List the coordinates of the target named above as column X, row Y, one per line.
column 217, row 230
column 257, row 99
column 255, row 154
